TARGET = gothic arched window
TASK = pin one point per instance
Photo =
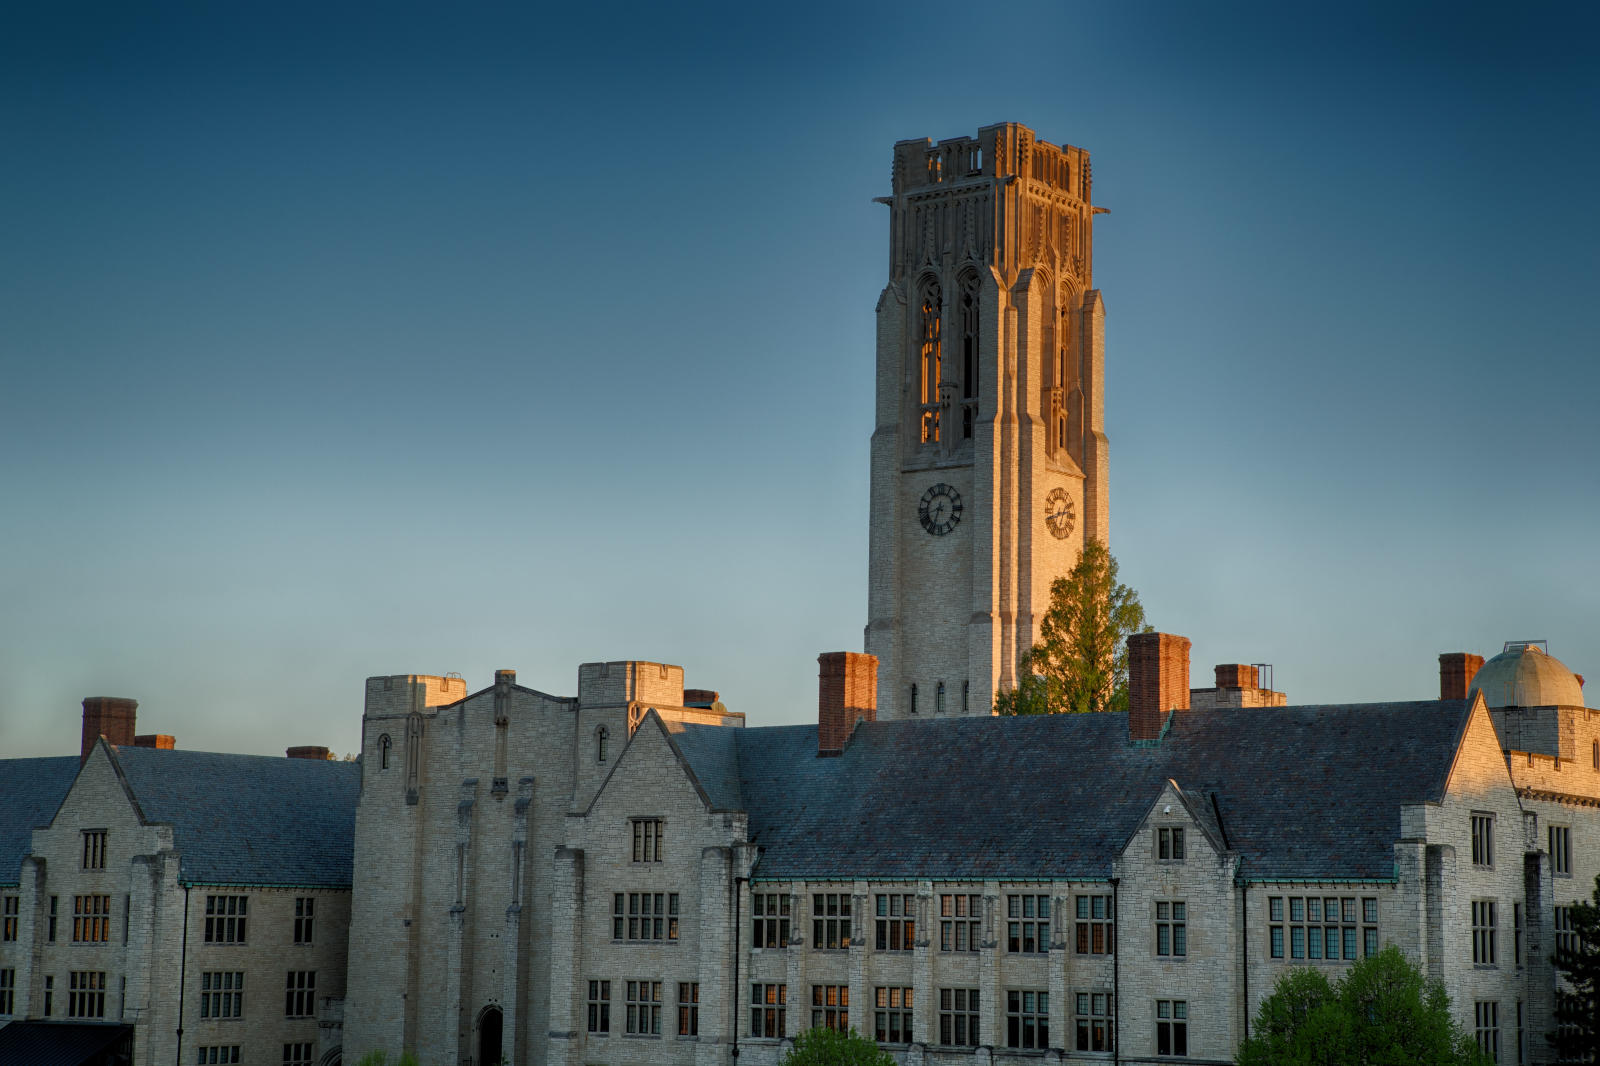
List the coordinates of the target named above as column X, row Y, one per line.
column 938, row 699
column 383, row 752
column 930, row 353
column 969, row 354
column 913, row 698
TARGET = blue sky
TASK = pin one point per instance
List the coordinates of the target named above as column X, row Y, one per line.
column 340, row 340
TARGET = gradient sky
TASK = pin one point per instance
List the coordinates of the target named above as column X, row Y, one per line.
column 341, row 340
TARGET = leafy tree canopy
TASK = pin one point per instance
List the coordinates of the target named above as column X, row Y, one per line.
column 829, row 1047
column 1381, row 1013
column 1081, row 661
column 1577, row 1036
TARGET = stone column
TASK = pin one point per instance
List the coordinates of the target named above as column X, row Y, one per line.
column 566, row 958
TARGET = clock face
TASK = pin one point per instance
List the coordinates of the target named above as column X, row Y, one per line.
column 940, row 509
column 1058, row 514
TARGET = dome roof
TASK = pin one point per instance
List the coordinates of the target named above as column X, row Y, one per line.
column 1525, row 675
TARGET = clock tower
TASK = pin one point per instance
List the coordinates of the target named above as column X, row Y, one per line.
column 989, row 451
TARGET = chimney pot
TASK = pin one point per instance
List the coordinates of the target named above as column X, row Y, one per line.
column 847, row 693
column 1456, row 670
column 111, row 717
column 1158, row 681
column 1236, row 675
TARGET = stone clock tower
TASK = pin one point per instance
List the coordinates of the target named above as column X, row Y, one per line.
column 989, row 452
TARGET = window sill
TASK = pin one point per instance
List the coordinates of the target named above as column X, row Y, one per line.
column 641, row 1036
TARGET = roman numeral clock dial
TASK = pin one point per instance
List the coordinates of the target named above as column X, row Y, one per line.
column 1058, row 514
column 939, row 509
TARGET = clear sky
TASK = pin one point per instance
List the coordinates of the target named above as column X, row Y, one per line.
column 340, row 340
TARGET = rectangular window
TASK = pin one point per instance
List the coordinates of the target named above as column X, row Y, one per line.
column 1483, row 840
column 127, row 915
column 225, row 919
column 94, row 849
column 960, row 922
column 897, row 924
column 1516, row 934
column 1486, row 1019
column 830, row 920
column 91, row 919
column 644, row 1008
column 1322, row 927
column 1516, row 1035
column 1483, row 932
column 600, row 1007
column 300, row 995
column 8, row 992
column 958, row 1017
column 9, row 930
column 1566, row 936
column 1561, row 850
column 215, row 1053
column 770, row 924
column 1172, row 1027
column 1169, row 844
column 892, row 1018
column 1092, row 1016
column 298, row 1054
column 49, row 995
column 1027, row 1019
column 768, row 1004
column 1028, row 924
column 1096, row 925
column 688, row 1008
column 50, row 933
column 86, row 994
column 830, row 1007
column 1172, row 929
column 304, row 914
column 644, row 916
column 647, row 840
column 222, row 994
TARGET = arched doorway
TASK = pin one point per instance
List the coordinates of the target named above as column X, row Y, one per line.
column 489, row 1023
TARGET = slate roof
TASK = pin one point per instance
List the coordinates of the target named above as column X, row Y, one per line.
column 713, row 755
column 30, row 792
column 250, row 819
column 1302, row 792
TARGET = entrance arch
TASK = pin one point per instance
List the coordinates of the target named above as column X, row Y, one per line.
column 490, row 1022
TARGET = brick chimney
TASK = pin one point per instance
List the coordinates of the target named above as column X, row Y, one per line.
column 847, row 693
column 1236, row 675
column 1456, row 669
column 308, row 751
column 1158, row 681
column 156, row 740
column 111, row 717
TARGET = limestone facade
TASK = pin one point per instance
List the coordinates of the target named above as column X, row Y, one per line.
column 108, row 919
column 652, row 907
column 989, row 453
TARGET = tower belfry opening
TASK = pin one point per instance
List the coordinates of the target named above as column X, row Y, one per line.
column 989, row 464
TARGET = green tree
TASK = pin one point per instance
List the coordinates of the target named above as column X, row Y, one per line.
column 1381, row 1013
column 829, row 1047
column 1577, row 1035
column 1081, row 661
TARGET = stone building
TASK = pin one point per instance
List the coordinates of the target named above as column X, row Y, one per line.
column 193, row 906
column 635, row 875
